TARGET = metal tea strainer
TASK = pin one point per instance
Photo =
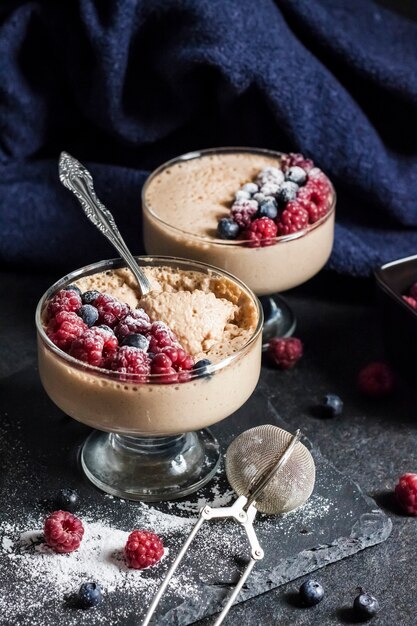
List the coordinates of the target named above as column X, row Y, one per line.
column 272, row 472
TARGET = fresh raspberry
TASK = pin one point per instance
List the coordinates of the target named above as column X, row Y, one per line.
column 292, row 219
column 64, row 328
column 179, row 358
column 314, row 196
column 295, row 158
column 261, row 232
column 406, row 493
column 90, row 346
column 376, row 379
column 160, row 337
column 64, row 300
column 143, row 549
column 285, row 352
column 63, row 531
column 162, row 365
column 411, row 301
column 136, row 321
column 243, row 212
column 129, row 360
column 110, row 310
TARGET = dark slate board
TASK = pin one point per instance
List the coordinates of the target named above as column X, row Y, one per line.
column 39, row 448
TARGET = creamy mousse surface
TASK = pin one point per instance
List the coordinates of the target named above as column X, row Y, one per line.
column 212, row 317
column 184, row 202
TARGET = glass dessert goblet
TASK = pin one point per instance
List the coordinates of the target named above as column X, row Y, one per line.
column 184, row 199
column 151, row 440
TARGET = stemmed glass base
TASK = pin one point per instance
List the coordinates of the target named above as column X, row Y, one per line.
column 279, row 319
column 150, row 468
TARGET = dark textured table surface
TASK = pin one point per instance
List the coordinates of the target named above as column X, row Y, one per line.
column 373, row 442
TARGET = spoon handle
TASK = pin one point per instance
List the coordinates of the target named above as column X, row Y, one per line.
column 75, row 177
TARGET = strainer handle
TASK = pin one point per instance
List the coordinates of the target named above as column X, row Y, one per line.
column 235, row 593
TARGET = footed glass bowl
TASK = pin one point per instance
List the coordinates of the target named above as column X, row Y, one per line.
column 288, row 261
column 151, row 440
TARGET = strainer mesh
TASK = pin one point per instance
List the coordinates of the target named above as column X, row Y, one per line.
column 254, row 452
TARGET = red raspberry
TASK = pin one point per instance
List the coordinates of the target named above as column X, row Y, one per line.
column 143, row 549
column 295, row 158
column 243, row 213
column 136, row 321
column 413, row 291
column 64, row 300
column 160, row 337
column 63, row 531
column 411, row 301
column 261, row 232
column 406, row 493
column 285, row 352
column 314, row 197
column 110, row 310
column 129, row 360
column 179, row 358
column 89, row 348
column 162, row 365
column 292, row 219
column 376, row 379
column 64, row 328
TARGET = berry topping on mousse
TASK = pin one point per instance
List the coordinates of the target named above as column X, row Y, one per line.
column 143, row 549
column 293, row 195
column 260, row 232
column 67, row 300
column 63, row 531
column 133, row 346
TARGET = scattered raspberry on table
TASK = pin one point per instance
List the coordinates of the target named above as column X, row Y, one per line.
column 406, row 493
column 376, row 379
column 285, row 352
column 63, row 531
column 143, row 549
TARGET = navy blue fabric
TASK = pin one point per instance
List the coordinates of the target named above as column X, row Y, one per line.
column 126, row 84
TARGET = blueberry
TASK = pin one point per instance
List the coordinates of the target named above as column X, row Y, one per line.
column 311, row 592
column 287, row 192
column 268, row 208
column 73, row 288
column 89, row 595
column 242, row 195
column 88, row 314
column 202, row 365
column 365, row 606
column 67, row 500
column 331, row 405
column 250, row 188
column 136, row 340
column 227, row 228
column 296, row 175
column 89, row 296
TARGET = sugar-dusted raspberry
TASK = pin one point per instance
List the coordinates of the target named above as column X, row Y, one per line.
column 261, row 232
column 411, row 301
column 161, row 336
column 143, row 549
column 244, row 212
column 315, row 196
column 136, row 321
column 295, row 158
column 63, row 531
column 64, row 328
column 270, row 175
column 292, row 219
column 67, row 300
column 376, row 379
column 285, row 351
column 110, row 310
column 406, row 493
column 162, row 366
column 129, row 360
column 179, row 358
column 89, row 347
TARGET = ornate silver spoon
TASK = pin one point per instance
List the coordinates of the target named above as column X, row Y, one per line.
column 78, row 179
